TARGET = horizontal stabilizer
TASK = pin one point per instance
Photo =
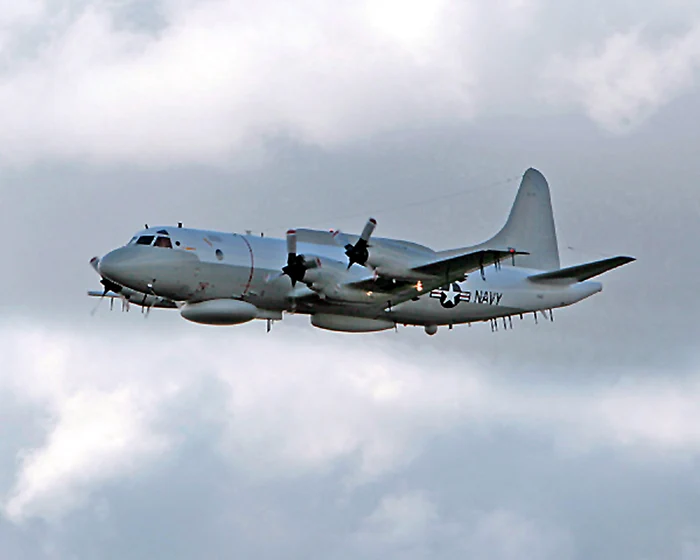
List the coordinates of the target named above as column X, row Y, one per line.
column 580, row 272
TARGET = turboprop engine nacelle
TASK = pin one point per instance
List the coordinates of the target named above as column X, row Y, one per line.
column 349, row 324
column 326, row 278
column 219, row 312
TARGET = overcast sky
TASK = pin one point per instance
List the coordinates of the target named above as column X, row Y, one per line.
column 126, row 437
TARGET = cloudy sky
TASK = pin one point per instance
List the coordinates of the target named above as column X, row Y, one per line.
column 126, row 437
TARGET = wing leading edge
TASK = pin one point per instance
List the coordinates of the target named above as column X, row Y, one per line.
column 453, row 268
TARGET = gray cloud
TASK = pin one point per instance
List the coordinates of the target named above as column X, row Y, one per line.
column 410, row 453
column 207, row 82
column 122, row 436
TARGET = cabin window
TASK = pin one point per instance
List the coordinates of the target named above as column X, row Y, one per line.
column 145, row 240
column 163, row 242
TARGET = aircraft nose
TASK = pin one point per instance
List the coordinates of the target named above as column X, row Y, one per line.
column 115, row 264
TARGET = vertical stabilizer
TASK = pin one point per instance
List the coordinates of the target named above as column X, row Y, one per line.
column 530, row 225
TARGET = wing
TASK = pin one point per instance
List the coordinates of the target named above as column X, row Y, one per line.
column 400, row 270
column 454, row 268
column 421, row 279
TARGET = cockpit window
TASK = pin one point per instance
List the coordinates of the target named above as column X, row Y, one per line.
column 163, row 242
column 132, row 241
column 145, row 240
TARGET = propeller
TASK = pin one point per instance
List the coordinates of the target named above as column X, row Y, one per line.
column 296, row 265
column 97, row 305
column 109, row 286
column 150, row 292
column 358, row 253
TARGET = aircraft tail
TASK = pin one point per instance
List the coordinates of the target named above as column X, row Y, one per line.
column 530, row 232
column 530, row 225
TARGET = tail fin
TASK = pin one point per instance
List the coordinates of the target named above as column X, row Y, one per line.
column 530, row 225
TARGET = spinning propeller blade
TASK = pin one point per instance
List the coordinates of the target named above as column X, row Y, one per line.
column 99, row 302
column 109, row 286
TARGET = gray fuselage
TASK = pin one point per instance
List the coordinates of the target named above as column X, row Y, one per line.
column 189, row 266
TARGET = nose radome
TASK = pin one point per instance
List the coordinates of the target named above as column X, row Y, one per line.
column 114, row 264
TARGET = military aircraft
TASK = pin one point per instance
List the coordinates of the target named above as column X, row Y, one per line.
column 353, row 283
